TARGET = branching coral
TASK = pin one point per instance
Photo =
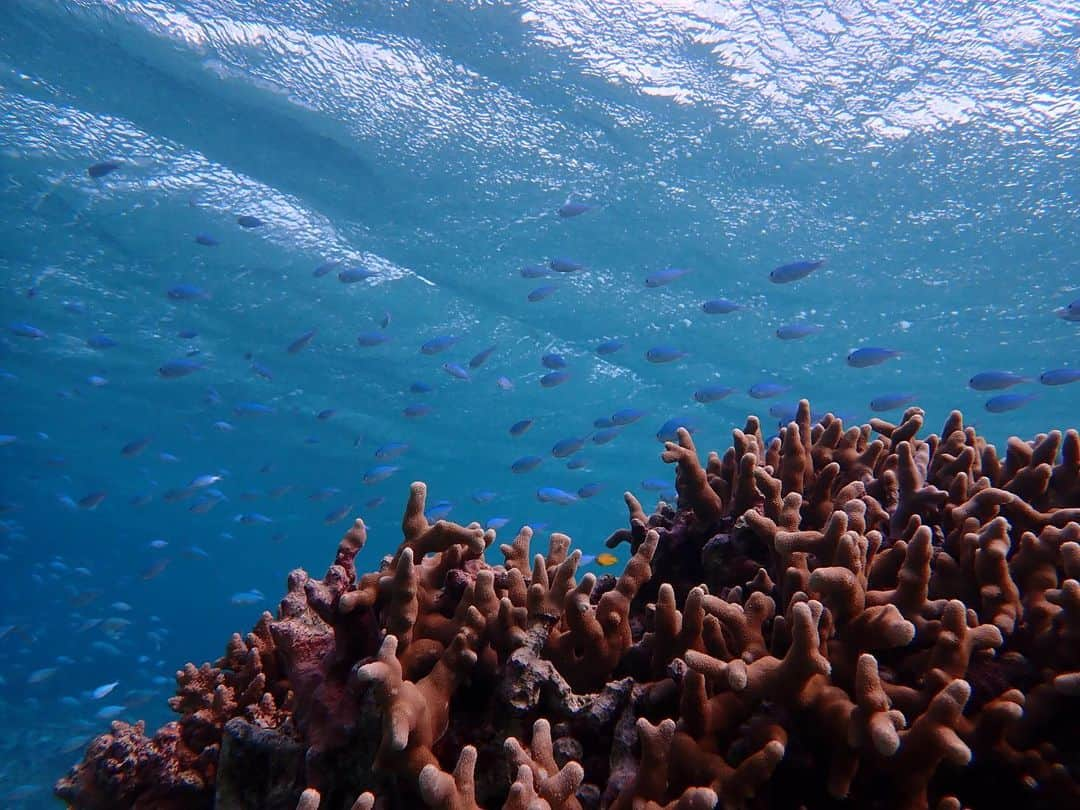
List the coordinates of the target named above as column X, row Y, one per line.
column 831, row 613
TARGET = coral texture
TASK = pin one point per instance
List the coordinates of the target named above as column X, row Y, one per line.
column 830, row 614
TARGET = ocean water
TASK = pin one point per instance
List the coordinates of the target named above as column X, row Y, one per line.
column 925, row 152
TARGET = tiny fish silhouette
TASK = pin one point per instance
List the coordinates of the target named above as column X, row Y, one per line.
column 797, row 331
column 533, row 271
column 351, row 275
column 567, row 447
column 480, row 358
column 180, row 367
column 301, row 342
column 518, row 428
column 665, row 276
column 103, row 168
column 764, row 390
column 719, row 306
column 554, row 378
column 540, row 293
column 373, row 338
column 664, row 354
column 437, row 344
column 454, row 370
column 890, row 402
column 1008, row 402
column 100, row 342
column 606, row 435
column 712, row 393
column 525, row 464
column 555, row 495
column 870, row 356
column 553, row 361
column 787, row 273
column 609, row 347
column 249, row 221
column 995, row 380
column 1060, row 376
column 564, row 265
column 206, row 240
column 573, row 209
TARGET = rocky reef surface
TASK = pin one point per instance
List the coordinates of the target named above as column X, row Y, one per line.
column 835, row 617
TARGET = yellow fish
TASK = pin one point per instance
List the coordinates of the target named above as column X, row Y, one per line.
column 606, row 559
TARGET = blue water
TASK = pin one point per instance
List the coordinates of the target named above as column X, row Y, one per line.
column 926, row 151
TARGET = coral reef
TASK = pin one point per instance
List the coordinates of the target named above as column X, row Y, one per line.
column 831, row 616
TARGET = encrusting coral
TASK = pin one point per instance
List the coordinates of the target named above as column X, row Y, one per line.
column 828, row 615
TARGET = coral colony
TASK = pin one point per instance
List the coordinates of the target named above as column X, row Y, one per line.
column 835, row 617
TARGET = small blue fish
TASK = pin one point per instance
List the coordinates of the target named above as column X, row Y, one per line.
column 518, row 428
column 186, row 292
column 97, row 380
column 764, row 390
column 7, row 438
column 375, row 503
column 787, row 273
column 252, row 597
column 664, row 354
column 261, row 370
column 100, row 342
column 351, row 275
column 667, row 431
column 655, row 484
column 577, row 463
column 223, row 426
column 553, row 361
column 797, row 331
column 104, row 690
column 438, row 344
column 533, row 271
column 665, row 276
column 26, row 330
column 784, row 413
column 92, row 501
column 995, row 380
column 567, row 447
column 335, row 515
column 454, row 370
column 1070, row 312
column 102, row 169
column 325, row 414
column 391, row 450
column 421, row 388
column 719, row 306
column 187, row 334
column 180, row 367
column 110, row 712
column 609, row 347
column 481, row 357
column 249, row 221
column 554, row 378
column 525, row 464
column 563, row 265
column 713, row 393
column 1060, row 376
column 75, row 307
column 496, row 523
column 1008, row 402
column 203, row 481
column 870, row 356
column 416, row 410
column 379, row 473
column 627, row 416
column 606, row 435
column 251, row 518
column 540, row 293
column 439, row 510
column 368, row 339
column 890, row 402
column 589, row 490
column 325, row 268
column 573, row 209
column 206, row 240
column 483, row 496
column 555, row 495
column 252, row 409
column 505, row 383
column 301, row 342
